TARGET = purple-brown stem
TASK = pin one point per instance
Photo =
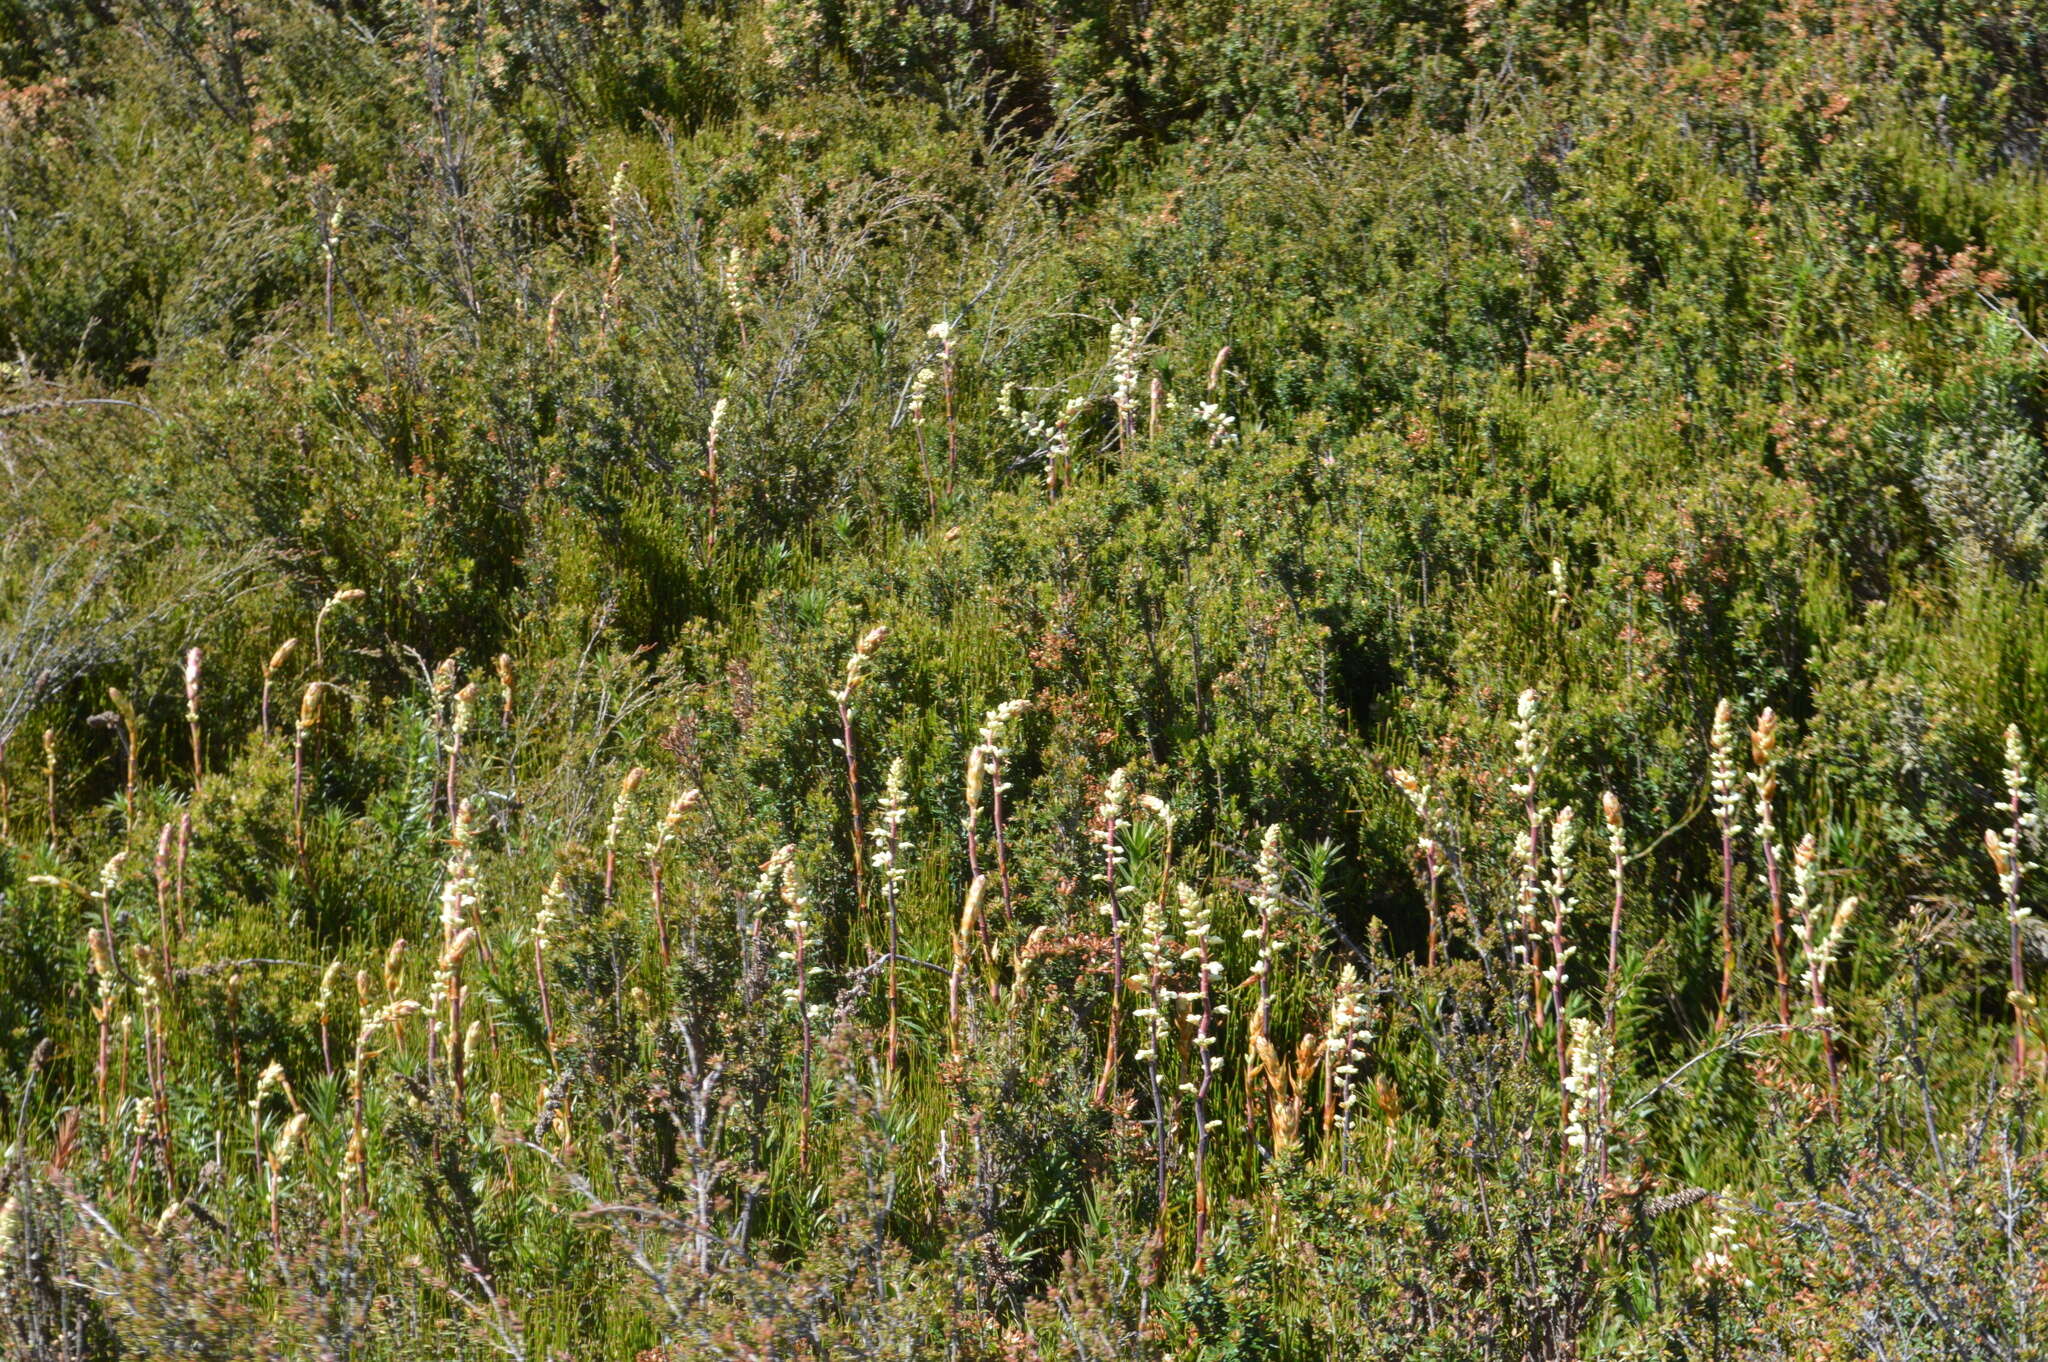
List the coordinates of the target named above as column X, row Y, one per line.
column 654, row 879
column 547, row 1011
column 164, row 921
column 952, row 432
column 1774, row 879
column 1727, row 927
column 995, row 785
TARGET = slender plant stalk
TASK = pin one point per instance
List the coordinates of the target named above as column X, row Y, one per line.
column 1563, row 840
column 50, row 780
column 1418, row 795
column 1821, row 947
column 552, row 901
column 459, row 932
column 856, row 672
column 797, row 922
column 1109, row 826
column 193, row 663
column 1617, row 855
column 270, row 669
column 508, row 693
column 1727, row 814
column 718, row 409
column 970, row 921
column 671, row 823
column 994, row 754
column 1154, row 984
column 234, row 1002
column 465, row 715
column 340, row 598
column 657, row 898
column 920, row 383
column 309, row 723
column 946, row 343
column 1200, row 933
column 888, row 863
column 387, row 1017
column 156, row 1062
column 131, row 744
column 1529, row 755
column 1343, row 1048
column 2007, row 849
column 1159, row 953
column 166, row 923
column 100, row 947
column 996, row 788
column 184, row 847
column 1265, row 902
column 860, row 887
column 622, row 809
column 330, row 245
column 1763, row 780
column 328, row 978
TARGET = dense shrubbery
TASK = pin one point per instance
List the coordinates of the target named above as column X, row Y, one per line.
column 589, row 938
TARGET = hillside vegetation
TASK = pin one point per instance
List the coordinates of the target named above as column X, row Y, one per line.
column 816, row 679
